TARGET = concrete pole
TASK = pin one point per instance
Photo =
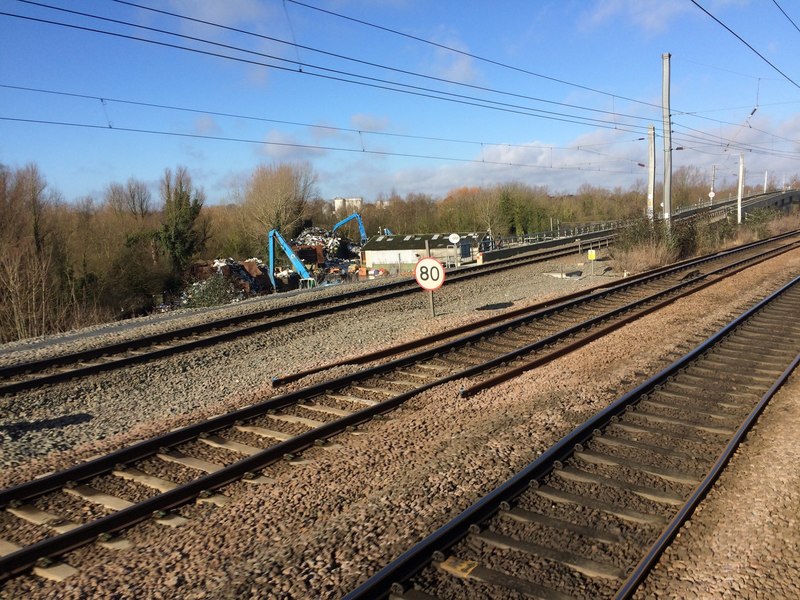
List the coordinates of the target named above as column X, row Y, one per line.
column 667, row 139
column 741, row 190
column 651, row 171
column 713, row 181
column 766, row 173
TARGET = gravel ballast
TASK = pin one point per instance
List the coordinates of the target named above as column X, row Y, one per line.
column 121, row 403
column 326, row 525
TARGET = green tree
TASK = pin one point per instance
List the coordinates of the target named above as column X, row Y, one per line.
column 182, row 234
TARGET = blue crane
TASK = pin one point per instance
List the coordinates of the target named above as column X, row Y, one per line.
column 361, row 229
column 272, row 236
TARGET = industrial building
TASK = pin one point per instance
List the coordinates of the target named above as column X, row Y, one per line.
column 399, row 253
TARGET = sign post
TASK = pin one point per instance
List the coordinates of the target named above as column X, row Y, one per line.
column 592, row 256
column 429, row 274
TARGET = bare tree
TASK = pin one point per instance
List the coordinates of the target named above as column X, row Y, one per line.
column 138, row 198
column 30, row 186
column 32, row 261
column 277, row 197
column 488, row 209
column 134, row 197
column 114, row 198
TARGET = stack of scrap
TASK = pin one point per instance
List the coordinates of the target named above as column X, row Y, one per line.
column 248, row 277
column 337, row 257
column 333, row 247
column 316, row 236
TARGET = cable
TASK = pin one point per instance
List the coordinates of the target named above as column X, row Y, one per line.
column 291, row 145
column 478, row 102
column 307, row 65
column 246, row 32
column 467, row 54
column 738, row 37
column 124, row 2
column 775, row 2
column 703, row 137
column 104, row 100
column 584, row 121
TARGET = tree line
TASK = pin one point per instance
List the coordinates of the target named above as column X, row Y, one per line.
column 65, row 265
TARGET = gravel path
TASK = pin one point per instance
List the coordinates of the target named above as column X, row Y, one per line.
column 326, row 525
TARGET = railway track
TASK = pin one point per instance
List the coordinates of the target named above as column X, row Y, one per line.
column 24, row 376
column 157, row 476
column 590, row 517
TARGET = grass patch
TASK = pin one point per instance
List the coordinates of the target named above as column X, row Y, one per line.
column 645, row 245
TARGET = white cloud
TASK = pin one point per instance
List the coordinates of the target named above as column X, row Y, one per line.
column 281, row 146
column 451, row 65
column 252, row 16
column 228, row 13
column 651, row 15
column 206, row 125
column 364, row 122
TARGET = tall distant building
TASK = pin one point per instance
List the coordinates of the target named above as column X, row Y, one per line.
column 348, row 204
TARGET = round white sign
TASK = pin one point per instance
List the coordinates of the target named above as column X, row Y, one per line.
column 429, row 273
column 454, row 238
column 711, row 195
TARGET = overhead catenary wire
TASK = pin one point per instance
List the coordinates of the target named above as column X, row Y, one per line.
column 613, row 96
column 454, row 97
column 470, row 55
column 302, row 64
column 428, row 93
column 689, row 139
column 358, row 150
column 741, row 39
column 371, row 82
column 106, row 99
column 775, row 2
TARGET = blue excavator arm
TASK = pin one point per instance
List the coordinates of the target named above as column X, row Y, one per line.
column 297, row 264
column 361, row 229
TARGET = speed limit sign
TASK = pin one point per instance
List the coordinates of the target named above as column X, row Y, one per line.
column 429, row 273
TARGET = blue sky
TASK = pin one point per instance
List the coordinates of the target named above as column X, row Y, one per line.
column 553, row 93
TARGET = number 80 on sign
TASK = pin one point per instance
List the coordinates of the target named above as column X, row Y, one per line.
column 429, row 273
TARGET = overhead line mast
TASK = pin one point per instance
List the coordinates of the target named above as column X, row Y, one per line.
column 667, row 139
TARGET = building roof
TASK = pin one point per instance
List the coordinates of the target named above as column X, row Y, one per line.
column 417, row 240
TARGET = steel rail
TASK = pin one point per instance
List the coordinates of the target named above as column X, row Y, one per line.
column 717, row 275
column 648, row 562
column 537, row 310
column 26, row 557
column 149, row 447
column 297, row 312
column 392, row 578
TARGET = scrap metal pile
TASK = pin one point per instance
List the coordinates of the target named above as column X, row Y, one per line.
column 336, row 256
column 330, row 259
column 248, row 278
column 316, row 236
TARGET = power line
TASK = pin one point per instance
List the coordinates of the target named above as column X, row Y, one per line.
column 472, row 101
column 246, row 32
column 478, row 102
column 741, row 39
column 205, row 22
column 339, row 56
column 711, row 140
column 469, row 55
column 105, row 99
column 785, row 15
column 413, row 90
column 301, row 146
